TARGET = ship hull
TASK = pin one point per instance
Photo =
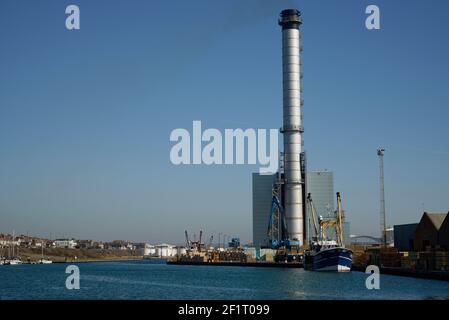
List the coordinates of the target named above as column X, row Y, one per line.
column 333, row 259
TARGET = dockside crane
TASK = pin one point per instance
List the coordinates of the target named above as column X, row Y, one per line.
column 277, row 221
column 194, row 244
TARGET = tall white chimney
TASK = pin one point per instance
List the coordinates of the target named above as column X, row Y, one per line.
column 292, row 129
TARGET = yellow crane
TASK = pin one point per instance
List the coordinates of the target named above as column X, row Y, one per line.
column 323, row 224
column 312, row 210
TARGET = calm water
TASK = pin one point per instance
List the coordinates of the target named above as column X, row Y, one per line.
column 156, row 280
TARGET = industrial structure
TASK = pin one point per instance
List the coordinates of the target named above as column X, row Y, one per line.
column 321, row 186
column 279, row 206
column 280, row 198
column 292, row 128
column 284, row 191
column 283, row 223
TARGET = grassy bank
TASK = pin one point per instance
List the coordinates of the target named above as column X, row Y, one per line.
column 77, row 255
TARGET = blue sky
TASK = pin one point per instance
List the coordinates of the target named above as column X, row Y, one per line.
column 85, row 116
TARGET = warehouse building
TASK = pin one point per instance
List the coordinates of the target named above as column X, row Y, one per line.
column 427, row 234
column 403, row 236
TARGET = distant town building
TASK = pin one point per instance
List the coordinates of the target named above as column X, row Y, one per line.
column 5, row 242
column 25, row 241
column 119, row 245
column 85, row 244
column 8, row 240
column 65, row 243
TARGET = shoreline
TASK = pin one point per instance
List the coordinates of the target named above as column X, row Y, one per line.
column 82, row 261
column 69, row 255
column 99, row 260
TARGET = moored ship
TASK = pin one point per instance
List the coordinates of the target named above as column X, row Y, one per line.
column 324, row 254
column 328, row 256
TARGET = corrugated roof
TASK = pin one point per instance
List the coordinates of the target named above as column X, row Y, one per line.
column 436, row 218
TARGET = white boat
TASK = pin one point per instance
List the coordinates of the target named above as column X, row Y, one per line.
column 44, row 261
column 14, row 261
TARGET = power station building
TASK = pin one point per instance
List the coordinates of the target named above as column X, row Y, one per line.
column 320, row 184
column 262, row 193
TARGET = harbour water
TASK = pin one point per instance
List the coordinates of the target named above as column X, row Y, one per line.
column 156, row 280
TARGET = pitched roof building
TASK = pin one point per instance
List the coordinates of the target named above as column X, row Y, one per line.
column 427, row 233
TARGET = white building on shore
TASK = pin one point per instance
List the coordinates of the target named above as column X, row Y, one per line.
column 65, row 243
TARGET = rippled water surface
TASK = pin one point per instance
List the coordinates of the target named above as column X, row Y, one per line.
column 156, row 280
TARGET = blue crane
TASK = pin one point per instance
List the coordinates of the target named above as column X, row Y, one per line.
column 282, row 240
